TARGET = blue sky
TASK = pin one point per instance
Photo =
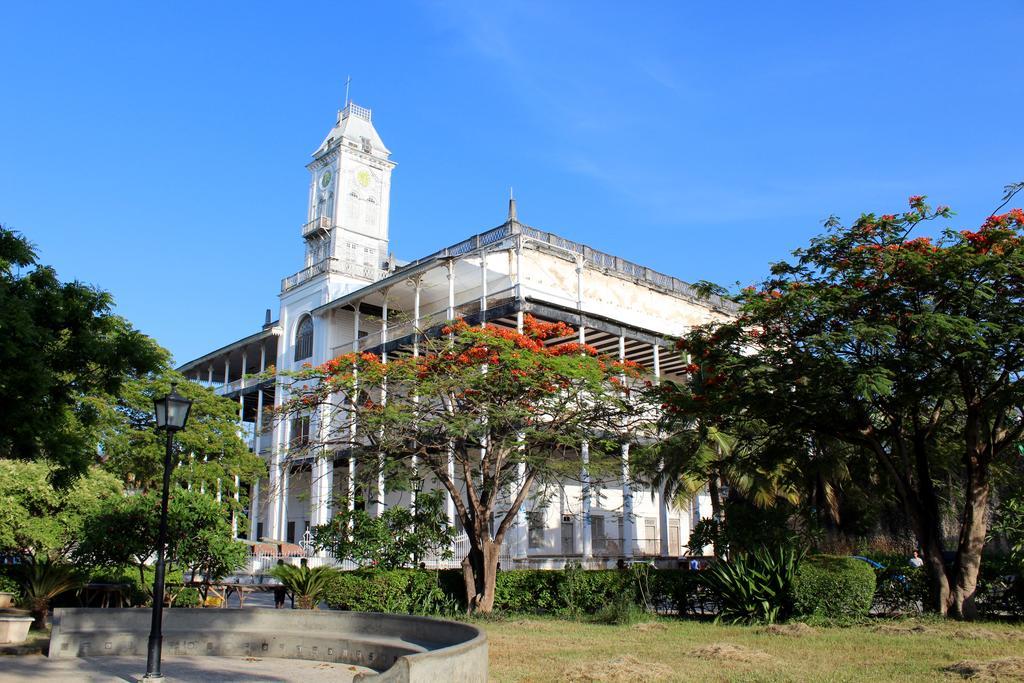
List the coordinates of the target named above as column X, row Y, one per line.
column 149, row 143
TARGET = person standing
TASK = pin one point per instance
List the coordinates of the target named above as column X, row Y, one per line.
column 916, row 560
column 279, row 591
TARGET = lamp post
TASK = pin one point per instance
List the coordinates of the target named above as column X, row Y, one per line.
column 171, row 414
column 417, row 486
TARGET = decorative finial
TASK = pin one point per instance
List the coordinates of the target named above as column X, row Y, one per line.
column 512, row 216
column 348, row 82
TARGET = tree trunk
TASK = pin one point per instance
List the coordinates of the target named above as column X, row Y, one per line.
column 973, row 528
column 39, row 610
column 714, row 491
column 480, row 573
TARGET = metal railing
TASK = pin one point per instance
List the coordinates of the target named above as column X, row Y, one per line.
column 364, row 271
column 319, row 224
column 598, row 259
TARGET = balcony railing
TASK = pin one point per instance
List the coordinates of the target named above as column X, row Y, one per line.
column 320, row 225
column 363, row 271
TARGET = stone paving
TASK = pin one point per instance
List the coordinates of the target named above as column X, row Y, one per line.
column 195, row 668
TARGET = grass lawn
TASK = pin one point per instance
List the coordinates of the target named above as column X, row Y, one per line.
column 537, row 649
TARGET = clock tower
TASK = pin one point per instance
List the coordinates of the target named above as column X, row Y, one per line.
column 349, row 197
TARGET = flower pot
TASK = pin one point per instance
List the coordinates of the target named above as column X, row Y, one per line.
column 6, row 600
column 14, row 629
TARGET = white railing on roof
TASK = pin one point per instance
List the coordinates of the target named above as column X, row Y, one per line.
column 593, row 256
column 365, row 271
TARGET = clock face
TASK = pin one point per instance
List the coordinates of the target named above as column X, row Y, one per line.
column 325, row 179
column 363, row 177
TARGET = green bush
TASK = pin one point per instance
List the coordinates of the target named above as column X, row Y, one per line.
column 621, row 611
column 755, row 587
column 8, row 583
column 571, row 592
column 400, row 591
column 188, row 597
column 833, row 587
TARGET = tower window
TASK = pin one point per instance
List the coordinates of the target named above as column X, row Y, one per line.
column 304, row 339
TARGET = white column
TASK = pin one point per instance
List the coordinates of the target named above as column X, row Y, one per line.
column 254, row 510
column 415, row 354
column 449, row 505
column 588, row 539
column 352, row 423
column 209, row 376
column 663, row 502
column 227, row 372
column 451, row 290
column 285, row 483
column 416, row 318
column 522, row 529
column 378, row 504
column 628, row 520
column 483, row 288
column 276, row 481
column 234, row 512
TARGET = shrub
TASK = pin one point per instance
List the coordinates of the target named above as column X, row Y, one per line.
column 308, row 586
column 187, row 597
column 833, row 587
column 529, row 591
column 572, row 592
column 43, row 579
column 9, row 584
column 900, row 588
column 755, row 587
column 401, row 591
column 621, row 611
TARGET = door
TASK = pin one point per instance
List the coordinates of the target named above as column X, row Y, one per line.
column 568, row 538
column 673, row 537
column 597, row 534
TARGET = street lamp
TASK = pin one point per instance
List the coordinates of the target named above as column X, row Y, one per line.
column 417, row 486
column 171, row 414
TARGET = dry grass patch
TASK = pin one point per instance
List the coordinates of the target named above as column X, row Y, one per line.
column 648, row 626
column 625, row 668
column 1003, row 669
column 797, row 629
column 727, row 652
column 958, row 634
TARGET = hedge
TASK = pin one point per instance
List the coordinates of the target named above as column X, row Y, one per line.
column 833, row 587
column 397, row 590
column 536, row 591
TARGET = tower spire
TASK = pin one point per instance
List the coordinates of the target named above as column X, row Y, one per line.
column 512, row 215
column 348, row 82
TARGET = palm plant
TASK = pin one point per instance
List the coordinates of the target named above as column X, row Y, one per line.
column 308, row 586
column 755, row 587
column 43, row 579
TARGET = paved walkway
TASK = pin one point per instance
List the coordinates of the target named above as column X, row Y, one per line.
column 195, row 668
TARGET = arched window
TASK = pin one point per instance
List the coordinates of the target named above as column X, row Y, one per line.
column 304, row 339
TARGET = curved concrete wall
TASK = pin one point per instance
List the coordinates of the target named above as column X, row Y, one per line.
column 400, row 648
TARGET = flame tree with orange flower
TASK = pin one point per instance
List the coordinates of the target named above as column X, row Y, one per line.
column 908, row 349
column 510, row 409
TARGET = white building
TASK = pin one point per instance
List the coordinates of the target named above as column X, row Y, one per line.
column 348, row 296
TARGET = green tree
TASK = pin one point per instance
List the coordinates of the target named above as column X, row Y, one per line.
column 60, row 343
column 210, row 451
column 903, row 348
column 509, row 410
column 123, row 532
column 37, row 518
column 394, row 539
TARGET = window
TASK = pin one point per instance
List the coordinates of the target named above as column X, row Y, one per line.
column 535, row 522
column 304, row 339
column 300, row 432
column 599, row 539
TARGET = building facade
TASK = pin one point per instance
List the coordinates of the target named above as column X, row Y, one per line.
column 352, row 295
